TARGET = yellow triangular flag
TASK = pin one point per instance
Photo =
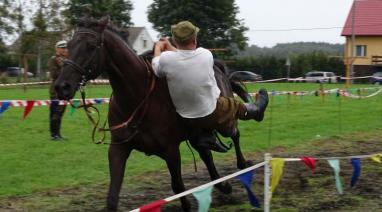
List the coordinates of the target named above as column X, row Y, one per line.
column 277, row 165
column 377, row 158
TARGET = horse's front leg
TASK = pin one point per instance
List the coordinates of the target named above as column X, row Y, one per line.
column 206, row 156
column 241, row 162
column 118, row 155
column 173, row 161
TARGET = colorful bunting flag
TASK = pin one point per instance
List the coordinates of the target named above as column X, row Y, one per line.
column 204, row 198
column 335, row 164
column 28, row 108
column 153, row 207
column 356, row 162
column 246, row 180
column 4, row 107
column 98, row 101
column 310, row 162
column 277, row 165
column 75, row 103
column 377, row 158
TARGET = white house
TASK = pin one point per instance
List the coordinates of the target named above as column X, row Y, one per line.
column 140, row 39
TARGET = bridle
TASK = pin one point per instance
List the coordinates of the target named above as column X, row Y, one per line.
column 139, row 112
column 89, row 67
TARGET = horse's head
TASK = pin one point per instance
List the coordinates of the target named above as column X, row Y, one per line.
column 86, row 57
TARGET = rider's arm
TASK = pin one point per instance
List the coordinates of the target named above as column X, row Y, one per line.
column 156, row 60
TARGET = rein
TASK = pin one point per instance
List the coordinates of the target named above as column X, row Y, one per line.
column 142, row 106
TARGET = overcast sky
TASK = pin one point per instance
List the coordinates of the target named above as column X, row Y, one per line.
column 260, row 16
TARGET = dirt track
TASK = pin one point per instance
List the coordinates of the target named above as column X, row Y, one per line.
column 299, row 189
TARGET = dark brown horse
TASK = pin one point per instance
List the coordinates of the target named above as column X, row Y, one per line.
column 141, row 114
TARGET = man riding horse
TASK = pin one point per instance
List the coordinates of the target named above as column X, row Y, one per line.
column 193, row 88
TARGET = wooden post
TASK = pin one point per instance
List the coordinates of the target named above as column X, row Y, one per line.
column 267, row 176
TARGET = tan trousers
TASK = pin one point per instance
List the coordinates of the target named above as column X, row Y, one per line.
column 226, row 112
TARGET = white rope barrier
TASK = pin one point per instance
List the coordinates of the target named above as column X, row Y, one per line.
column 96, row 81
column 25, row 83
column 210, row 183
column 333, row 158
column 23, row 103
column 345, row 93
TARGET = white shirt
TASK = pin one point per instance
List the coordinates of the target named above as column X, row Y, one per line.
column 191, row 80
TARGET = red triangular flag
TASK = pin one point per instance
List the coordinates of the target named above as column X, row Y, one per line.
column 310, row 162
column 28, row 108
column 153, row 207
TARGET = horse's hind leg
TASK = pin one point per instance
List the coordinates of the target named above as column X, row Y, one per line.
column 241, row 162
column 206, row 156
column 118, row 155
column 173, row 162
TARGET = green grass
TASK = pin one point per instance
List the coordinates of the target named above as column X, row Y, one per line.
column 31, row 162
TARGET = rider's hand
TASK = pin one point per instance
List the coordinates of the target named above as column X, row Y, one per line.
column 167, row 45
column 159, row 48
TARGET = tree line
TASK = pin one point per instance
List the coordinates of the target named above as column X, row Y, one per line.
column 274, row 66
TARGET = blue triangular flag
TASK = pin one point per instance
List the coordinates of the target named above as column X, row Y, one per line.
column 246, row 180
column 356, row 162
column 4, row 107
column 98, row 101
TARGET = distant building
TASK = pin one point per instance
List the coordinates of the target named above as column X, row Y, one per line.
column 367, row 17
column 140, row 39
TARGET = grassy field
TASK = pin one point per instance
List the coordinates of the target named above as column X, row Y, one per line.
column 31, row 162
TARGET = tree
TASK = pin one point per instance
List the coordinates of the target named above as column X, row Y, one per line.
column 118, row 10
column 54, row 15
column 6, row 17
column 219, row 27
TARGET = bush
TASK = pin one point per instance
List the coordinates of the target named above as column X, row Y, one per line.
column 4, row 78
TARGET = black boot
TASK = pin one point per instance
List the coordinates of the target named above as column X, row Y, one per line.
column 206, row 140
column 256, row 110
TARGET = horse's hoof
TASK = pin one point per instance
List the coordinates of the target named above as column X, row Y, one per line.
column 224, row 187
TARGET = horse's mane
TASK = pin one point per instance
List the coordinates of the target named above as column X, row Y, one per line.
column 91, row 22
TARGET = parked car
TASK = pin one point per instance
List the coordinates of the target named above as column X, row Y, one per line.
column 16, row 71
column 245, row 76
column 376, row 78
column 321, row 77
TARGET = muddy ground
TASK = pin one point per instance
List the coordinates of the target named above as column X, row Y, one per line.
column 299, row 189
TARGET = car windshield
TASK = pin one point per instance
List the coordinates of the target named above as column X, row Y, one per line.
column 378, row 74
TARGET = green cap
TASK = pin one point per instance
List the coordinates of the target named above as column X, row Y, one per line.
column 183, row 31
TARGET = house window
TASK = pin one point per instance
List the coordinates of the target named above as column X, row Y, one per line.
column 144, row 43
column 360, row 51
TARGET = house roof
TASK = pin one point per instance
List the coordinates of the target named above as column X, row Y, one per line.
column 368, row 19
column 133, row 33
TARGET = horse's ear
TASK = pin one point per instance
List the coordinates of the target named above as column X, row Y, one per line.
column 103, row 22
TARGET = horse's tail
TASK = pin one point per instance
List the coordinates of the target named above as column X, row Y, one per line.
column 238, row 87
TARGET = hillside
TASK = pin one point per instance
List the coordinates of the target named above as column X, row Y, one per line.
column 282, row 50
